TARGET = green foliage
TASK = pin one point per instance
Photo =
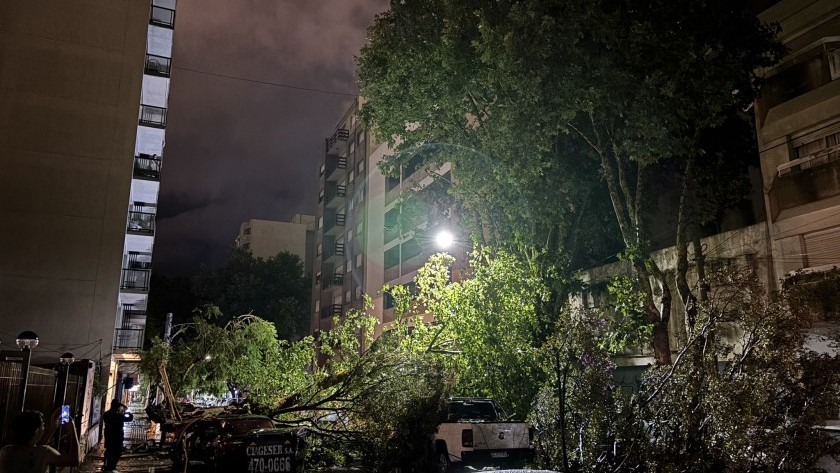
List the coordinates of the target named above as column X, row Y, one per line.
column 628, row 328
column 275, row 288
column 743, row 395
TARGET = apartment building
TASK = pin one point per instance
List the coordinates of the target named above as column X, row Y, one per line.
column 266, row 238
column 362, row 242
column 84, row 88
column 798, row 128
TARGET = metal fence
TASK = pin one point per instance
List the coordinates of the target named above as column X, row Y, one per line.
column 40, row 392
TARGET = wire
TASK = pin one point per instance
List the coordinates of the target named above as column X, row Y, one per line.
column 273, row 84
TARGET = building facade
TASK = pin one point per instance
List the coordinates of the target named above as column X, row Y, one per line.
column 362, row 240
column 798, row 128
column 266, row 238
column 84, row 88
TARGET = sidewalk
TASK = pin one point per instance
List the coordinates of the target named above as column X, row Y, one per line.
column 136, row 458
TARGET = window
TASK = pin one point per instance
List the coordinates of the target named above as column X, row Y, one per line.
column 322, row 169
column 360, row 138
column 318, row 278
column 337, row 300
column 321, row 222
column 350, row 178
column 388, row 303
column 320, row 248
column 317, row 306
column 339, row 269
column 392, row 257
column 349, row 237
column 391, row 183
column 347, row 296
column 410, row 249
column 352, row 147
column 351, row 204
column 358, row 260
column 358, row 293
column 321, row 196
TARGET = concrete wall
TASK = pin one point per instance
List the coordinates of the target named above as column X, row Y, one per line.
column 70, row 81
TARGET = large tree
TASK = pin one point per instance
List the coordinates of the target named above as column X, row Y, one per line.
column 275, row 288
column 536, row 99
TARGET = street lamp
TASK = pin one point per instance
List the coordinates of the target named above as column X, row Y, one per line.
column 66, row 359
column 26, row 341
column 444, row 239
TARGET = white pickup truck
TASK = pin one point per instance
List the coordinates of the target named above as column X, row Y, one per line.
column 476, row 434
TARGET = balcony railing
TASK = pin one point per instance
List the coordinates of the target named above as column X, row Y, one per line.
column 147, row 167
column 334, row 220
column 333, row 280
column 152, row 116
column 340, row 135
column 332, row 163
column 141, row 222
column 162, row 17
column 334, row 191
column 135, row 279
column 798, row 185
column 158, row 65
column 331, row 310
column 128, row 338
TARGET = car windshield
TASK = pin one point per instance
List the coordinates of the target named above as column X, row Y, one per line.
column 242, row 426
column 473, row 411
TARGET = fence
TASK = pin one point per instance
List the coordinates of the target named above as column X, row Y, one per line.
column 42, row 393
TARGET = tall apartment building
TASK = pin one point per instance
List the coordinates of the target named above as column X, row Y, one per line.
column 84, row 88
column 359, row 245
column 266, row 238
column 798, row 127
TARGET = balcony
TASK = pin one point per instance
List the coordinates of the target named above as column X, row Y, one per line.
column 332, row 163
column 136, row 271
column 334, row 194
column 333, row 221
column 802, row 72
column 331, row 311
column 141, row 220
column 332, row 250
column 340, row 135
column 132, row 316
column 333, row 280
column 163, row 17
column 805, row 180
column 147, row 167
column 154, row 117
column 128, row 338
column 158, row 65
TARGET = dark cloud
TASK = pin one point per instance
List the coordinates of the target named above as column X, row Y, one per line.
column 237, row 149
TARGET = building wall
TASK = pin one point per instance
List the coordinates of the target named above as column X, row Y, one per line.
column 70, row 82
column 267, row 238
column 799, row 107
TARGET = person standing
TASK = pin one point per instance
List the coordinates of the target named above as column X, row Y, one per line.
column 114, row 419
column 27, row 452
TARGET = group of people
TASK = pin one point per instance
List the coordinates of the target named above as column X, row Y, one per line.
column 29, row 451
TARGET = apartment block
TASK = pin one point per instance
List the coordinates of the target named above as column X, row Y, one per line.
column 84, row 87
column 798, row 128
column 266, row 238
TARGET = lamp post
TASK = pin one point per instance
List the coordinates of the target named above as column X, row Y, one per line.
column 66, row 359
column 26, row 341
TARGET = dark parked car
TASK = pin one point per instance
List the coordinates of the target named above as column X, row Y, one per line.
column 235, row 443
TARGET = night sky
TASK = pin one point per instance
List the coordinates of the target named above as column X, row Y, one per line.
column 241, row 149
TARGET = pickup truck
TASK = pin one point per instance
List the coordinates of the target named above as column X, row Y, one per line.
column 476, row 434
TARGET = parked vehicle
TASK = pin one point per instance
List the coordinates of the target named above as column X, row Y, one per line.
column 476, row 433
column 208, row 441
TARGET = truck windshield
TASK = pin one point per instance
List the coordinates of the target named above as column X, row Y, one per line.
column 472, row 411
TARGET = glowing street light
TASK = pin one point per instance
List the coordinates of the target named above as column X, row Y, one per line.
column 444, row 239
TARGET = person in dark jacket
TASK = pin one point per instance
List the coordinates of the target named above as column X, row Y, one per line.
column 114, row 419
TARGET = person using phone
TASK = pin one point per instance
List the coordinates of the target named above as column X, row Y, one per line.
column 114, row 419
column 27, row 452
